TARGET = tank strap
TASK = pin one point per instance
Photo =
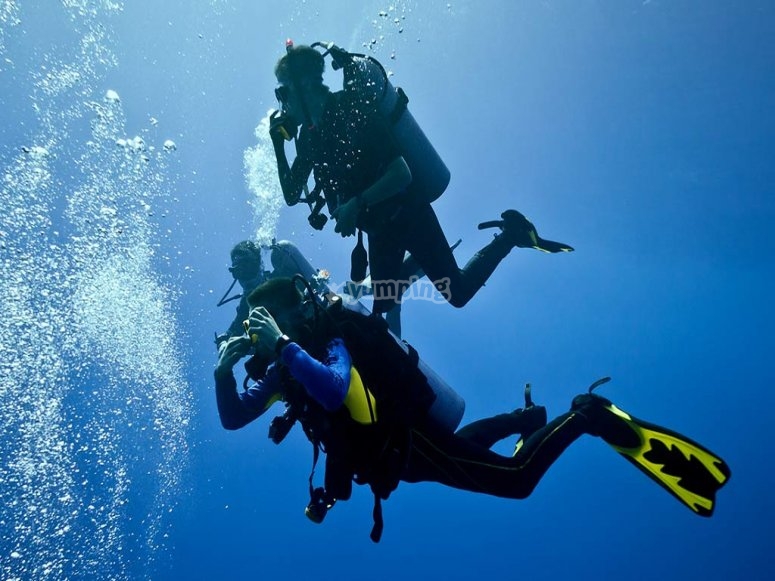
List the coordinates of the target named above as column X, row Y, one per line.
column 400, row 108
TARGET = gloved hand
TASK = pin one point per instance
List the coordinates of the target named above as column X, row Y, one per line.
column 346, row 216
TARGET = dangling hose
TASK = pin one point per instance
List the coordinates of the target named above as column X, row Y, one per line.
column 224, row 300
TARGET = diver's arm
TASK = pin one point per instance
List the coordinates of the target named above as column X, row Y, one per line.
column 230, row 409
column 395, row 180
column 235, row 409
column 326, row 382
column 392, row 182
column 292, row 178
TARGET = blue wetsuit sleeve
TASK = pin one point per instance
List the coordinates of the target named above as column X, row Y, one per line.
column 326, row 382
column 236, row 409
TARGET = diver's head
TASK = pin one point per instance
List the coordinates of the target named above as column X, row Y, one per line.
column 246, row 264
column 284, row 301
column 301, row 65
column 299, row 73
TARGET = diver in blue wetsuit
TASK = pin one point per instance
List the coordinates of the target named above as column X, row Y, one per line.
column 368, row 408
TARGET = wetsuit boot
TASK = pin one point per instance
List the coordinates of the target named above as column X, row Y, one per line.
column 488, row 431
column 592, row 408
column 516, row 231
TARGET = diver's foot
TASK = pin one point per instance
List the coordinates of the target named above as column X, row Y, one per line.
column 518, row 230
column 531, row 419
column 593, row 408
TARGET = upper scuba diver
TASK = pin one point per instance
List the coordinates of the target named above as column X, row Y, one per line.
column 378, row 174
column 362, row 399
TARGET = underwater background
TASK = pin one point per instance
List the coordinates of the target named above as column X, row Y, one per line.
column 134, row 154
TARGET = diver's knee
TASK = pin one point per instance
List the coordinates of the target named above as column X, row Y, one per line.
column 457, row 301
column 524, row 489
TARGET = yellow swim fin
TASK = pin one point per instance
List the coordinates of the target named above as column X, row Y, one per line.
column 686, row 469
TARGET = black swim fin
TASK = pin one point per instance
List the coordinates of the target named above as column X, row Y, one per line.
column 551, row 246
column 686, row 469
column 527, row 237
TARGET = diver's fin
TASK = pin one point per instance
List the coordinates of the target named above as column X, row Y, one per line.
column 551, row 246
column 515, row 225
column 686, row 469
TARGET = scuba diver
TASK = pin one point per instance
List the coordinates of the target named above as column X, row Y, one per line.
column 378, row 174
column 362, row 399
column 247, row 268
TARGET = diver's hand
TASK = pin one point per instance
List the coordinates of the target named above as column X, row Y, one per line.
column 278, row 128
column 263, row 329
column 220, row 342
column 346, row 216
column 230, row 352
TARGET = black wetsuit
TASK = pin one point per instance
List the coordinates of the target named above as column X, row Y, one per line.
column 349, row 151
column 463, row 460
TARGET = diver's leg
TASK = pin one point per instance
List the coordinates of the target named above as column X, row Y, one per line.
column 410, row 274
column 460, row 463
column 425, row 240
column 477, row 271
column 393, row 318
column 488, row 431
column 386, row 254
column 430, row 248
column 516, row 231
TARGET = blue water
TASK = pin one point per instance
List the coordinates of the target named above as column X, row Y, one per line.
column 134, row 155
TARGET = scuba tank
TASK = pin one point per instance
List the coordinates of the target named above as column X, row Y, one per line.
column 366, row 77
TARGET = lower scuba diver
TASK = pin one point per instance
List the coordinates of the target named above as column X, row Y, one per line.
column 378, row 175
column 362, row 399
